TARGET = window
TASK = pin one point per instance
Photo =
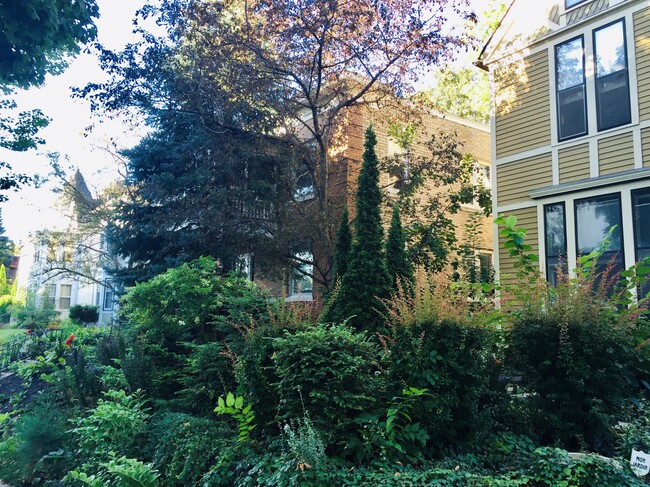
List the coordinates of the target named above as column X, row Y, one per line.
column 595, row 218
column 304, row 188
column 612, row 85
column 573, row 3
column 65, row 294
column 109, row 297
column 49, row 295
column 570, row 88
column 555, row 238
column 641, row 217
column 300, row 279
column 243, row 266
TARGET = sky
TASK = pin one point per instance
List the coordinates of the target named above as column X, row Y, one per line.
column 32, row 209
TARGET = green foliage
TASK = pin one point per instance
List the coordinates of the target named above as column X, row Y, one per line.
column 634, row 433
column 33, row 316
column 207, row 373
column 190, row 301
column 366, row 281
column 454, row 362
column 399, row 267
column 234, row 406
column 464, row 92
column 113, row 426
column 525, row 262
column 37, row 35
column 117, row 472
column 579, row 381
column 343, row 246
column 330, row 372
column 81, row 314
column 555, row 467
column 26, row 446
column 305, row 443
column 184, row 448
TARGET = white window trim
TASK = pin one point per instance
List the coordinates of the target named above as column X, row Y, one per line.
column 586, row 31
column 625, row 191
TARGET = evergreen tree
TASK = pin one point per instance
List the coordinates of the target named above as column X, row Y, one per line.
column 397, row 262
column 343, row 246
column 366, row 280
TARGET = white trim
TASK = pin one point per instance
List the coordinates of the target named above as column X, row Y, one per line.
column 586, row 184
column 515, row 207
column 594, row 167
column 555, row 165
column 628, row 222
column 540, row 151
column 541, row 239
column 638, row 148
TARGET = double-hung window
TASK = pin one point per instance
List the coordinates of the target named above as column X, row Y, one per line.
column 611, row 80
column 570, row 87
column 555, row 241
column 612, row 83
column 300, row 279
column 65, row 295
column 595, row 219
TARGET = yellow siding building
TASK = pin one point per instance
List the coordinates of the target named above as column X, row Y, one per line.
column 571, row 128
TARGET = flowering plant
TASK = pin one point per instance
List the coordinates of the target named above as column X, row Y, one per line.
column 69, row 341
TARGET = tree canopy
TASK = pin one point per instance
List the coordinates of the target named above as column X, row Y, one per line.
column 283, row 70
column 36, row 37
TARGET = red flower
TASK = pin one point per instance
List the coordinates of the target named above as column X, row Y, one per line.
column 29, row 331
column 69, row 341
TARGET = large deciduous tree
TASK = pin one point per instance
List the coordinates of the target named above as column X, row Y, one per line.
column 286, row 69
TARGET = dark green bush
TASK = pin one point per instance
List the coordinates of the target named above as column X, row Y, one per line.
column 330, row 372
column 578, row 375
column 184, row 448
column 82, row 314
column 455, row 362
column 35, row 446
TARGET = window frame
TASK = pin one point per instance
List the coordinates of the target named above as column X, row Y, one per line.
column 558, row 92
column 607, row 255
column 64, row 297
column 295, row 274
column 626, row 70
column 546, row 242
column 633, row 200
column 108, row 291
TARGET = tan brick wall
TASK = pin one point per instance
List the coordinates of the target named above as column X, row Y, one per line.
column 472, row 140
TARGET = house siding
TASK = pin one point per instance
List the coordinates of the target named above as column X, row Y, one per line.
column 524, row 97
column 526, row 218
column 586, row 10
column 616, row 154
column 517, row 179
column 642, row 46
column 574, row 163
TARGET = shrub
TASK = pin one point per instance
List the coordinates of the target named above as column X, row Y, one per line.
column 576, row 354
column 184, row 448
column 190, row 301
column 25, row 452
column 330, row 372
column 81, row 314
column 114, row 425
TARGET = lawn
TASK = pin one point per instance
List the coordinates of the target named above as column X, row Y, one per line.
column 7, row 333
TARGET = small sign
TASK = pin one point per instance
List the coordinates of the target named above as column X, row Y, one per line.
column 640, row 462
